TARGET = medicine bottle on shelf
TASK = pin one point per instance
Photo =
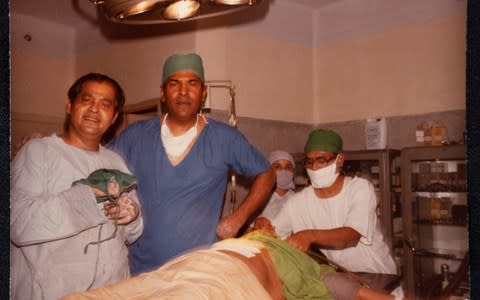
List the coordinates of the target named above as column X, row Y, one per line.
column 445, row 270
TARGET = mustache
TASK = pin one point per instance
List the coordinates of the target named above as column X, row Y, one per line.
column 183, row 100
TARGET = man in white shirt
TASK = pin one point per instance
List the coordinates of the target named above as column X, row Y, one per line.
column 336, row 213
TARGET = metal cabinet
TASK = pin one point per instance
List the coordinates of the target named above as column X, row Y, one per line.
column 435, row 222
column 382, row 169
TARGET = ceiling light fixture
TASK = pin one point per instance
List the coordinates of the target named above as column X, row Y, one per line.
column 181, row 9
column 167, row 11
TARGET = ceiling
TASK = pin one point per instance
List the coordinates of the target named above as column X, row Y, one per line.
column 338, row 19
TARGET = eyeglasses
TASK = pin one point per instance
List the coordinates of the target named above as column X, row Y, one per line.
column 319, row 161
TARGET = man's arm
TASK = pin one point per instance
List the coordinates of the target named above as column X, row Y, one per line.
column 337, row 238
column 41, row 218
column 256, row 197
column 37, row 216
column 359, row 223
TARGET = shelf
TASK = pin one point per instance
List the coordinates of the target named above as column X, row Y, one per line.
column 438, row 194
column 441, row 191
column 450, row 222
column 439, row 253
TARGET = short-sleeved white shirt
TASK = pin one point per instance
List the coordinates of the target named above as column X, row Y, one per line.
column 353, row 207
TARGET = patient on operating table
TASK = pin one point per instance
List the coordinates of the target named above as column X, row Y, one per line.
column 256, row 266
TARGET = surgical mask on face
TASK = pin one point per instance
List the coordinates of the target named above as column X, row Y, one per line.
column 176, row 145
column 323, row 177
column 285, row 179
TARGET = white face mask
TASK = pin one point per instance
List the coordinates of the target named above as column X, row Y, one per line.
column 323, row 177
column 176, row 145
column 285, row 179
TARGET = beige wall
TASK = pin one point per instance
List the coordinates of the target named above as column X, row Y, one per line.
column 274, row 78
column 269, row 75
column 410, row 70
column 39, row 84
column 414, row 69
column 137, row 63
column 42, row 69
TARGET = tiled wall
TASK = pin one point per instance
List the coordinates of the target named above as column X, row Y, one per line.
column 269, row 135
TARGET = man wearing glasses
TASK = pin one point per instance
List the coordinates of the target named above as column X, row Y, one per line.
column 335, row 213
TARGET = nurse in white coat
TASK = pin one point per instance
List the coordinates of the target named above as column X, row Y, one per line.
column 283, row 165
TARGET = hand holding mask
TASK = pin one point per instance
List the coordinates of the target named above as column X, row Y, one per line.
column 109, row 184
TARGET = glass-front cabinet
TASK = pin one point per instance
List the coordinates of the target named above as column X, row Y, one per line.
column 435, row 222
column 382, row 169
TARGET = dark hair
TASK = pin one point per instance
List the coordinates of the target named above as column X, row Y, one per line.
column 97, row 77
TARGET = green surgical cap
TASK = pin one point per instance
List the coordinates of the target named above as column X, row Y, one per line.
column 183, row 62
column 324, row 140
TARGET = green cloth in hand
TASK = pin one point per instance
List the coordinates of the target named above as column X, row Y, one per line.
column 100, row 179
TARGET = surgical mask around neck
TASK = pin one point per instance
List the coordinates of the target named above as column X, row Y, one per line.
column 285, row 179
column 176, row 145
column 323, row 177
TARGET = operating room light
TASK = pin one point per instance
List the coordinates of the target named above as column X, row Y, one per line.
column 235, row 2
column 181, row 9
column 138, row 8
column 167, row 11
